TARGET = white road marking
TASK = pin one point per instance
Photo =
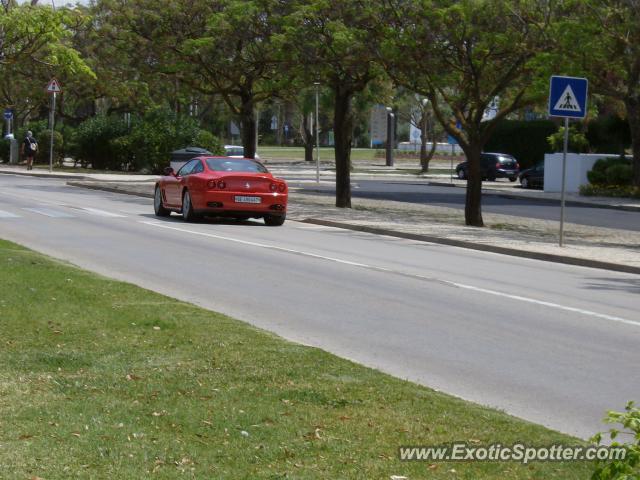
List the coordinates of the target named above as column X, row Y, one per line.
column 101, row 213
column 4, row 214
column 520, row 298
column 48, row 212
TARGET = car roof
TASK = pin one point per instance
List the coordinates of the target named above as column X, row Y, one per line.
column 498, row 153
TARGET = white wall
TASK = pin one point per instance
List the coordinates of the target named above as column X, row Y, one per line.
column 578, row 164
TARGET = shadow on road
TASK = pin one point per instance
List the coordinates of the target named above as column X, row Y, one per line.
column 630, row 285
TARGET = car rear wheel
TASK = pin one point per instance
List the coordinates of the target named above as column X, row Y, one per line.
column 513, row 179
column 462, row 174
column 157, row 204
column 274, row 220
column 187, row 207
column 524, row 182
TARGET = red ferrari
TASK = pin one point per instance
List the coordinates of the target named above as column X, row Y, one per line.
column 222, row 187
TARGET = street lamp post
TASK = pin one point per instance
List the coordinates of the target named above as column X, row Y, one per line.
column 317, row 84
column 390, row 136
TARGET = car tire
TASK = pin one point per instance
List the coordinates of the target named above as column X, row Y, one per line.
column 513, row 179
column 524, row 182
column 462, row 174
column 188, row 213
column 158, row 207
column 274, row 220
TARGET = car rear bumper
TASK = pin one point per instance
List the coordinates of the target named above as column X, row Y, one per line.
column 507, row 173
column 224, row 203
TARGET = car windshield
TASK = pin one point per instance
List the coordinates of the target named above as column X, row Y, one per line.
column 235, row 165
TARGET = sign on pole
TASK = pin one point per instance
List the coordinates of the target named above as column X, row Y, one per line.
column 53, row 87
column 378, row 125
column 568, row 99
column 8, row 114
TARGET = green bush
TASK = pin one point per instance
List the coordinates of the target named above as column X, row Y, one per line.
column 629, row 467
column 209, row 141
column 93, row 142
column 158, row 133
column 106, row 142
column 4, row 150
column 44, row 145
column 619, row 174
column 578, row 142
column 526, row 141
column 611, row 171
column 615, row 191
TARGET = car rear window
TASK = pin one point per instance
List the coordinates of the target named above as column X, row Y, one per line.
column 235, row 165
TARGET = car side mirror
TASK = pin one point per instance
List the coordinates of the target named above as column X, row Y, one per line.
column 169, row 171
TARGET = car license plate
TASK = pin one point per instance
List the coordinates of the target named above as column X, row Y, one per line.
column 242, row 199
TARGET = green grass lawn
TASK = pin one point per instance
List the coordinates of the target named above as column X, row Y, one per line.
column 101, row 379
column 327, row 154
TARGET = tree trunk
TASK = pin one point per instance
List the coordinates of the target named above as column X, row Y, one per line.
column 425, row 157
column 308, row 138
column 473, row 203
column 633, row 116
column 248, row 126
column 343, row 131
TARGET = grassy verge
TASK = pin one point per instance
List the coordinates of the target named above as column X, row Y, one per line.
column 101, row 379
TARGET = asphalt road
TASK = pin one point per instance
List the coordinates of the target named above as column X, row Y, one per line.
column 417, row 192
column 551, row 343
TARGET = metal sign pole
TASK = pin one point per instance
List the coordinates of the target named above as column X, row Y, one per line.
column 450, row 169
column 53, row 119
column 317, row 84
column 564, row 175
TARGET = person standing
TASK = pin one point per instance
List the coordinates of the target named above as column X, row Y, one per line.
column 29, row 148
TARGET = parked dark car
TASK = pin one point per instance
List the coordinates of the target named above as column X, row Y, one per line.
column 492, row 166
column 533, row 177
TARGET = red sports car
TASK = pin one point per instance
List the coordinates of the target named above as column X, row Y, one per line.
column 222, row 187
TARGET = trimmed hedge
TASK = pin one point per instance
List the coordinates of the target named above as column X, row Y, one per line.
column 611, row 172
column 525, row 140
column 609, row 134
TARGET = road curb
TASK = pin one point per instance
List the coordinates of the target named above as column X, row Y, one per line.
column 548, row 257
column 571, row 203
column 109, row 189
column 44, row 175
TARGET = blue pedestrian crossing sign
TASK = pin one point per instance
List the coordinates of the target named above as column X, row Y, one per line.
column 568, row 97
column 8, row 114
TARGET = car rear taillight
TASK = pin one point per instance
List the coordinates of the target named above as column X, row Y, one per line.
column 221, row 184
column 273, row 187
column 211, row 184
column 498, row 165
column 517, row 166
column 282, row 187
